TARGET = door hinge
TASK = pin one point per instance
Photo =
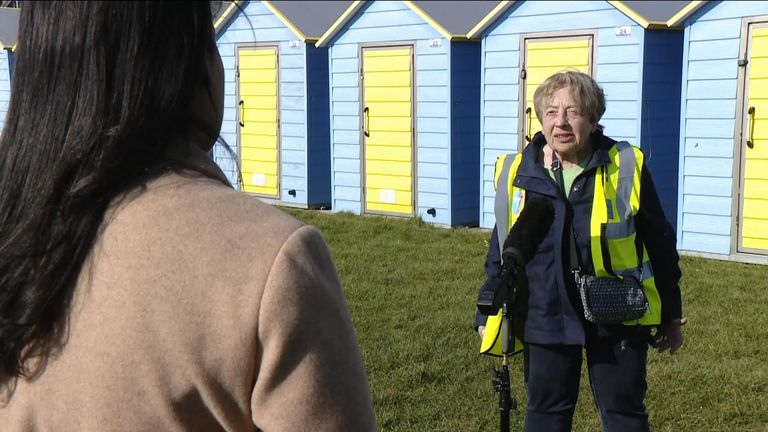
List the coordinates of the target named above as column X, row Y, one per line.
column 743, row 62
column 523, row 73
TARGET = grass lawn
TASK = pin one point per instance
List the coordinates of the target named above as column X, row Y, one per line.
column 411, row 290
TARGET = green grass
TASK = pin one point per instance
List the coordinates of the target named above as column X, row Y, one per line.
column 411, row 289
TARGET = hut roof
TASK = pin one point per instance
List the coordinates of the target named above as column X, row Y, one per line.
column 308, row 20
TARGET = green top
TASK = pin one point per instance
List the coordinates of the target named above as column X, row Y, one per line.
column 569, row 175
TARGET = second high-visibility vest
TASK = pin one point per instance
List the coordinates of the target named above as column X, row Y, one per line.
column 615, row 202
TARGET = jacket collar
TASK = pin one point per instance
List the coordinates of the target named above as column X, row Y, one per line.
column 531, row 166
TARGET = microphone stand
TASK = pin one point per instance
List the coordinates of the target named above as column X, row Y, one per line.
column 500, row 383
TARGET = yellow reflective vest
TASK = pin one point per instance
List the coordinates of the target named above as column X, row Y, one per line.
column 615, row 202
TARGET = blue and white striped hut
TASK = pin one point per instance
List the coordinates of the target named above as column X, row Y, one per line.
column 628, row 47
column 9, row 28
column 276, row 99
column 405, row 109
column 724, row 132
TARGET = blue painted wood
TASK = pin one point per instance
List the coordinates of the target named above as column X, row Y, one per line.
column 432, row 155
column 617, row 72
column 428, row 124
column 718, row 10
column 346, row 108
column 709, row 243
column 660, row 121
column 717, row 29
column 318, row 119
column 348, row 151
column 465, row 133
column 711, row 167
column 434, row 185
column 618, row 54
column 696, row 128
column 432, row 62
column 709, row 147
column 347, row 193
column 501, row 92
column 348, row 180
column 707, row 185
column 346, row 94
column 427, row 200
column 432, row 93
column 714, row 49
column 434, row 140
column 345, row 122
column 707, row 205
column 432, row 78
column 711, row 109
column 712, row 89
column 434, row 170
column 432, row 109
column 712, row 69
column 5, row 87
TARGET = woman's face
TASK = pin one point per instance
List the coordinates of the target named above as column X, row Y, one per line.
column 565, row 127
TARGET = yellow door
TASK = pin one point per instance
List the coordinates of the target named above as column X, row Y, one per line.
column 387, row 111
column 258, row 111
column 544, row 57
column 754, row 214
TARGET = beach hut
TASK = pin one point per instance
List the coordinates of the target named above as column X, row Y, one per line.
column 9, row 27
column 628, row 47
column 276, row 99
column 724, row 132
column 405, row 109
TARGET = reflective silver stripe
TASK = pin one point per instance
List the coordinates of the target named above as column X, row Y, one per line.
column 647, row 270
column 626, row 180
column 501, row 204
column 620, row 230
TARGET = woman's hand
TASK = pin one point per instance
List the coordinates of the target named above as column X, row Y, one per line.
column 669, row 336
column 480, row 331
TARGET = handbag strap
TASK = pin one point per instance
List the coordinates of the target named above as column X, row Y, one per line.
column 557, row 170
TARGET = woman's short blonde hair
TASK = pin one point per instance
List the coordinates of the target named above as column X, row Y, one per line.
column 584, row 91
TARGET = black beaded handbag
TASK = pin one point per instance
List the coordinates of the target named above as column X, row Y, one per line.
column 607, row 300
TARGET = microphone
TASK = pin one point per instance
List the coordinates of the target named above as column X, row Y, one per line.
column 519, row 247
column 528, row 232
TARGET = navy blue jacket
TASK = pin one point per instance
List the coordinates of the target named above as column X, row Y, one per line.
column 554, row 311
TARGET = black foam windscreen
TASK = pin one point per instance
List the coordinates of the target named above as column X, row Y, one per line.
column 528, row 231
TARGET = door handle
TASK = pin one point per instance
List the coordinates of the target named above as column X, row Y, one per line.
column 528, row 124
column 751, row 139
column 366, row 120
column 242, row 113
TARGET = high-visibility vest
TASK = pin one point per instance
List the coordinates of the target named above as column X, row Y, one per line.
column 613, row 233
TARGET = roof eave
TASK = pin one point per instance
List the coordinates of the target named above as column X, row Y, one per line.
column 489, row 19
column 228, row 14
column 431, row 21
column 679, row 18
column 339, row 23
column 631, row 13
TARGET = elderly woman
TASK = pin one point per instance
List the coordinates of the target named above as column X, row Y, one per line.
column 574, row 166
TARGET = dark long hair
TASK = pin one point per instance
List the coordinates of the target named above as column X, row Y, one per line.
column 99, row 91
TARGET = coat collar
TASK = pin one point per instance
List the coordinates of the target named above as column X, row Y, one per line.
column 531, row 166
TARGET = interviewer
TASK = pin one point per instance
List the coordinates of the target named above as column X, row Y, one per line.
column 138, row 291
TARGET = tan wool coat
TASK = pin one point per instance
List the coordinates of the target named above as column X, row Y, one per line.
column 200, row 309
